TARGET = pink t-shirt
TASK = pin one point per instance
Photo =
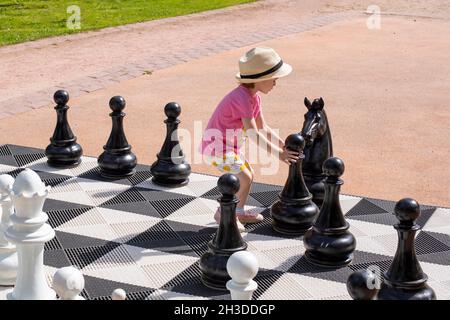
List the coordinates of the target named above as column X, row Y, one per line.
column 224, row 130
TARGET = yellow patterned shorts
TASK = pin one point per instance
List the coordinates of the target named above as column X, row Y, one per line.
column 231, row 162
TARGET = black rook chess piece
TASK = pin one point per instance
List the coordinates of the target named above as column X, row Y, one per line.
column 171, row 169
column 227, row 239
column 319, row 147
column 63, row 150
column 405, row 279
column 363, row 285
column 329, row 243
column 294, row 212
column 117, row 161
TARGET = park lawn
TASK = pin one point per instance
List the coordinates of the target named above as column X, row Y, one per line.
column 34, row 19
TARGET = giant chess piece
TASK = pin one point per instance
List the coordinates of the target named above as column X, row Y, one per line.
column 242, row 266
column 294, row 212
column 363, row 285
column 329, row 243
column 171, row 169
column 319, row 147
column 119, row 294
column 405, row 279
column 68, row 282
column 117, row 161
column 63, row 150
column 227, row 239
column 8, row 251
column 29, row 232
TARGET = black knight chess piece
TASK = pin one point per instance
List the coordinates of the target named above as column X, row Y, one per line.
column 171, row 169
column 117, row 161
column 319, row 147
column 227, row 239
column 294, row 213
column 63, row 150
column 329, row 243
column 405, row 279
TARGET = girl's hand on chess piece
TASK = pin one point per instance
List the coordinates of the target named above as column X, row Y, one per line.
column 289, row 156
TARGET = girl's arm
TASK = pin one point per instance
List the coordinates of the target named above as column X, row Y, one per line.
column 261, row 140
column 261, row 124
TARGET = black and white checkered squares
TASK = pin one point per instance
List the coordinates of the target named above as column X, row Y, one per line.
column 147, row 239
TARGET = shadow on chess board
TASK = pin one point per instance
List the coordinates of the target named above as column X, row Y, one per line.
column 147, row 239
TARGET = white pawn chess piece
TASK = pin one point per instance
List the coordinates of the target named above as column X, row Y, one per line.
column 242, row 266
column 8, row 251
column 119, row 294
column 29, row 232
column 68, row 282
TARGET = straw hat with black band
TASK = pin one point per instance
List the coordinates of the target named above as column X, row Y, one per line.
column 260, row 64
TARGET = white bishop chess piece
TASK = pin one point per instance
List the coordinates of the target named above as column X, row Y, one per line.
column 68, row 282
column 29, row 232
column 8, row 251
column 242, row 266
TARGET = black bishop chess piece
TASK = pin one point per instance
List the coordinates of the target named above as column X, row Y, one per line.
column 405, row 279
column 63, row 150
column 117, row 161
column 329, row 243
column 319, row 147
column 226, row 241
column 294, row 213
column 171, row 168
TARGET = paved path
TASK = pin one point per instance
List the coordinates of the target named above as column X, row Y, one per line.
column 87, row 62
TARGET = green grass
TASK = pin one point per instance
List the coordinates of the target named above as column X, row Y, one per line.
column 34, row 19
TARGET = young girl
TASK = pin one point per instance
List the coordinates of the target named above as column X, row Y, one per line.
column 237, row 113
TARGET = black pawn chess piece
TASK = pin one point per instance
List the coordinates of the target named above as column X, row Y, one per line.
column 329, row 243
column 63, row 150
column 362, row 285
column 294, row 213
column 319, row 147
column 405, row 279
column 171, row 169
column 117, row 161
column 227, row 239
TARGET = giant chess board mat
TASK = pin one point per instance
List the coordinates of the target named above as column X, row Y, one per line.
column 147, row 239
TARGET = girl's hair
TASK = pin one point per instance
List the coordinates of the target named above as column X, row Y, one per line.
column 249, row 85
